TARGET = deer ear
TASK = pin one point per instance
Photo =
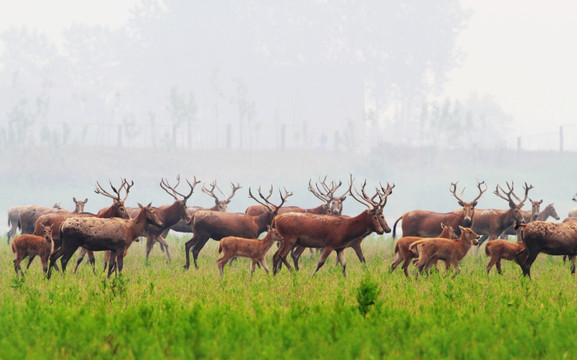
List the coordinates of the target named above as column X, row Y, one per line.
column 74, row 198
column 461, row 203
column 474, row 204
column 140, row 205
column 86, row 200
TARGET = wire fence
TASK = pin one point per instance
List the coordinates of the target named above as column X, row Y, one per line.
column 273, row 136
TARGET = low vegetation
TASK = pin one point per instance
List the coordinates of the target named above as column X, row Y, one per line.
column 158, row 310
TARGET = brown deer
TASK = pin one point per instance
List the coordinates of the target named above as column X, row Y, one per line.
column 491, row 223
column 426, row 223
column 549, row 211
column 219, row 205
column 255, row 249
column 117, row 209
column 328, row 231
column 404, row 255
column 217, row 225
column 169, row 214
column 30, row 246
column 528, row 216
column 499, row 249
column 451, row 251
column 546, row 237
column 97, row 234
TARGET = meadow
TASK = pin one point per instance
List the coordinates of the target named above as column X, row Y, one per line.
column 159, row 310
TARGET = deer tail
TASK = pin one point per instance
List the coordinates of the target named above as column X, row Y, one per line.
column 395, row 227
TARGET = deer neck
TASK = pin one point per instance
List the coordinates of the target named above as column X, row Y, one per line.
column 359, row 225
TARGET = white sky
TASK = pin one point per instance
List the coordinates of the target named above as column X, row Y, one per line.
column 521, row 52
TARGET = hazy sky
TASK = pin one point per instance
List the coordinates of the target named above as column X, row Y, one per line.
column 521, row 52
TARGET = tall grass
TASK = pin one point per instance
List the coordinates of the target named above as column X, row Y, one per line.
column 159, row 310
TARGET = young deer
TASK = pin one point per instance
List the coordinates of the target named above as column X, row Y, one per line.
column 451, row 251
column 402, row 252
column 255, row 249
column 502, row 249
column 33, row 245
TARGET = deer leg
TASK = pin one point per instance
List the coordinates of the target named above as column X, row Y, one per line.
column 572, row 258
column 68, row 251
column 499, row 267
column 111, row 263
column 149, row 245
column 491, row 263
column 45, row 264
column 356, row 245
column 281, row 254
column 324, row 255
column 91, row 260
column 30, row 258
column 79, row 258
column 17, row 266
column 263, row 263
column 187, row 246
column 528, row 262
column 341, row 259
column 222, row 262
column 162, row 241
column 196, row 249
column 120, row 261
column 253, row 266
column 53, row 257
column 296, row 253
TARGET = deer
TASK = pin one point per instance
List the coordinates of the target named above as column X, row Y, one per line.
column 573, row 212
column 499, row 249
column 255, row 249
column 219, row 205
column 332, row 233
column 26, row 245
column 117, row 209
column 546, row 237
column 404, row 255
column 528, row 216
column 491, row 223
column 332, row 205
column 217, row 225
column 27, row 215
column 98, row 234
column 14, row 220
column 425, row 223
column 451, row 251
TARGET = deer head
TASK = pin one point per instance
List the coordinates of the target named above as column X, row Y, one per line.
column 508, row 196
column 179, row 198
column 468, row 207
column 118, row 209
column 79, row 205
column 375, row 209
column 220, row 205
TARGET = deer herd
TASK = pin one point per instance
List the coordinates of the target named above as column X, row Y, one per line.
column 53, row 233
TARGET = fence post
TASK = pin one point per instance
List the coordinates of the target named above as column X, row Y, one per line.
column 560, row 138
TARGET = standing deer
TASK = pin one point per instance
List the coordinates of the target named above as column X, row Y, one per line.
column 491, row 223
column 451, row 251
column 404, row 255
column 30, row 246
column 216, row 225
column 549, row 238
column 117, row 209
column 219, row 205
column 255, row 249
column 330, row 232
column 27, row 215
column 573, row 212
column 96, row 234
column 426, row 223
column 14, row 220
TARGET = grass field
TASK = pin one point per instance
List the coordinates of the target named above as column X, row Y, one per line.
column 158, row 310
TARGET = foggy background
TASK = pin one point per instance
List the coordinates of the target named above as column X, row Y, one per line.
column 262, row 93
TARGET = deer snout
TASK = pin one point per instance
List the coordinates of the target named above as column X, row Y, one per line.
column 467, row 221
column 475, row 240
column 534, row 217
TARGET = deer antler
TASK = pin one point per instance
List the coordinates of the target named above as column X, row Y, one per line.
column 171, row 190
column 318, row 194
column 273, row 208
column 508, row 194
column 386, row 192
column 126, row 186
column 481, row 191
column 453, row 190
column 100, row 190
column 526, row 188
column 211, row 191
column 368, row 202
column 234, row 189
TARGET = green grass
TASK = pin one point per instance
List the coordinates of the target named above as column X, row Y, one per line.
column 159, row 310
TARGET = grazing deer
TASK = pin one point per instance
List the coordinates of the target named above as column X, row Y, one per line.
column 404, row 255
column 97, row 234
column 549, row 238
column 255, row 249
column 217, row 225
column 451, row 251
column 330, row 232
column 30, row 246
column 491, row 223
column 426, row 223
